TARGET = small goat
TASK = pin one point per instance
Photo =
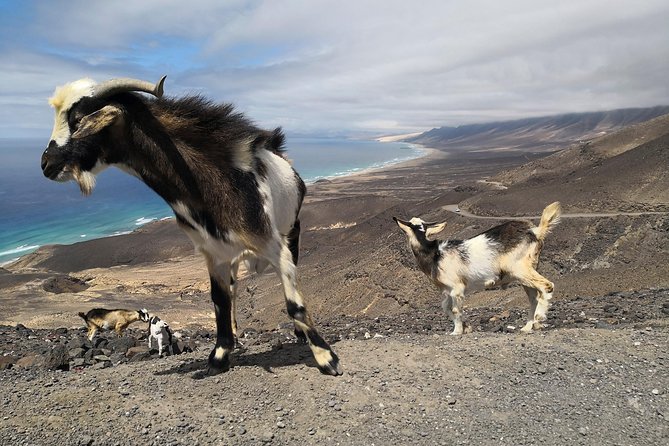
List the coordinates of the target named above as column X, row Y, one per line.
column 160, row 331
column 227, row 181
column 497, row 257
column 117, row 320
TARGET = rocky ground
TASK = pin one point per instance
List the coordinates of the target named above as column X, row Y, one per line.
column 597, row 375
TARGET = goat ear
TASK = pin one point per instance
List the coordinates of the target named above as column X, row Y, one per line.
column 434, row 229
column 96, row 121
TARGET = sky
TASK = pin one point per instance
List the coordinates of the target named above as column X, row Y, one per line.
column 346, row 67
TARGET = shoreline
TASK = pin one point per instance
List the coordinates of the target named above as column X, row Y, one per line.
column 424, row 153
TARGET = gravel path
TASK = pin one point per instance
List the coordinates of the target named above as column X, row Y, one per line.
column 406, row 381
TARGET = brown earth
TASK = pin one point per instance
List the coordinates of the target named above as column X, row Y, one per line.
column 584, row 380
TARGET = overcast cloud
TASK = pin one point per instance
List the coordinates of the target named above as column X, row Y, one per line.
column 345, row 67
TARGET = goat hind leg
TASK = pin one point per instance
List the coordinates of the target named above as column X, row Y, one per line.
column 544, row 289
column 326, row 359
column 532, row 296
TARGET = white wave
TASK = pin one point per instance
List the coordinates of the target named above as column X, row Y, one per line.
column 120, row 233
column 19, row 249
column 143, row 220
column 83, row 236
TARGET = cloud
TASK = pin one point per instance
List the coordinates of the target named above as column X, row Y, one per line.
column 350, row 66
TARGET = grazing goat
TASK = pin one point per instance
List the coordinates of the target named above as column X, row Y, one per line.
column 117, row 320
column 160, row 331
column 497, row 257
column 227, row 181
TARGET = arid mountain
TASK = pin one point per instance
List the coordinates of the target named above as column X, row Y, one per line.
column 622, row 171
column 537, row 134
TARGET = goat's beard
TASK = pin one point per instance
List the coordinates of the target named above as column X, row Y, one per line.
column 85, row 180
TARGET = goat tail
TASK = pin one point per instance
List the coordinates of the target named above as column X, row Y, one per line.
column 549, row 218
column 83, row 316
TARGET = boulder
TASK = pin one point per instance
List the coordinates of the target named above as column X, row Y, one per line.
column 57, row 358
column 29, row 361
column 133, row 351
column 64, row 284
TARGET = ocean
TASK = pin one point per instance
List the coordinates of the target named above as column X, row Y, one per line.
column 35, row 211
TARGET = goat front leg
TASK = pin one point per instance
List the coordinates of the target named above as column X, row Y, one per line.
column 452, row 306
column 219, row 358
column 282, row 260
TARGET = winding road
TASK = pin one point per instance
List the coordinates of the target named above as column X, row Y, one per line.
column 456, row 210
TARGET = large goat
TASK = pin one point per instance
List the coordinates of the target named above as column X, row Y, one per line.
column 506, row 253
column 227, row 181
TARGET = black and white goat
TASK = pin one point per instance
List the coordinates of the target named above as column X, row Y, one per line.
column 117, row 320
column 227, row 181
column 497, row 257
column 161, row 333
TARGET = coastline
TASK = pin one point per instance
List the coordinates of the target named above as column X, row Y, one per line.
column 424, row 153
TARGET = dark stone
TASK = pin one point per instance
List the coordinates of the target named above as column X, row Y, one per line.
column 118, row 358
column 76, row 343
column 77, row 362
column 141, row 356
column 92, row 352
column 57, row 359
column 77, row 353
column 121, row 345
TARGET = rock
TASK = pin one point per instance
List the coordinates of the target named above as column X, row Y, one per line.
column 101, row 365
column 104, row 358
column 141, row 356
column 91, row 353
column 99, row 342
column 77, row 362
column 122, row 344
column 77, row 353
column 132, row 351
column 29, row 361
column 6, row 362
column 118, row 358
column 77, row 343
column 57, row 358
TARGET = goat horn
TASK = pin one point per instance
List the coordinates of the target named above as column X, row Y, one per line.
column 120, row 85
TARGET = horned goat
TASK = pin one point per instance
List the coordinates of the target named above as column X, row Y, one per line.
column 227, row 181
column 506, row 253
column 117, row 320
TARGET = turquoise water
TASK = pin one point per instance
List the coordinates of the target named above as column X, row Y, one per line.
column 36, row 211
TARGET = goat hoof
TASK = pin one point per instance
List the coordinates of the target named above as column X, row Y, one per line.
column 527, row 329
column 332, row 367
column 217, row 365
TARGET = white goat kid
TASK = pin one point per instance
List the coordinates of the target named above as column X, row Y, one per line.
column 506, row 253
column 161, row 333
